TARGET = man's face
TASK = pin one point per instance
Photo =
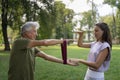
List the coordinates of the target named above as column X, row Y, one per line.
column 31, row 34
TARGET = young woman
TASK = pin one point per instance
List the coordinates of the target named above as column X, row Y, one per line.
column 100, row 52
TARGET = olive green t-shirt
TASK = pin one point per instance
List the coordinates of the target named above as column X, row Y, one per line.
column 22, row 61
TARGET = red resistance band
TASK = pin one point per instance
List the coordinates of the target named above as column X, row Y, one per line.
column 64, row 51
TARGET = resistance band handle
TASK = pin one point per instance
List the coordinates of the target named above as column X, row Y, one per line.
column 64, row 51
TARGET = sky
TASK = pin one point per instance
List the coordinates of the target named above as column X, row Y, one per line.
column 81, row 6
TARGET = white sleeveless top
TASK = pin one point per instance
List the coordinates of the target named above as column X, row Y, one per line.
column 96, row 47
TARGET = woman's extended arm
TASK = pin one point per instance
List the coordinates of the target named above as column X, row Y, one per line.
column 94, row 65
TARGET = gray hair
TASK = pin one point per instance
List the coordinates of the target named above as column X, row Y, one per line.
column 29, row 26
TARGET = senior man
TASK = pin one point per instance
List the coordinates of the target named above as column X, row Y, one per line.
column 24, row 51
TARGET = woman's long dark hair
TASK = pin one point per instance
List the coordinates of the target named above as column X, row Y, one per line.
column 106, row 32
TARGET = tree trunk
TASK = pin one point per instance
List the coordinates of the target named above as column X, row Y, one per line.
column 114, row 26
column 88, row 34
column 4, row 24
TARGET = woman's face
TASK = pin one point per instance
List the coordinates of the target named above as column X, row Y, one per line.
column 98, row 33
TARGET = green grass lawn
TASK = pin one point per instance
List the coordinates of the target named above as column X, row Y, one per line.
column 46, row 70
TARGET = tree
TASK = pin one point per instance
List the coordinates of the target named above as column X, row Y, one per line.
column 64, row 23
column 13, row 12
column 116, row 20
column 5, row 24
column 108, row 19
column 89, row 18
column 46, row 16
column 94, row 11
column 115, row 3
column 112, row 3
column 118, row 26
column 87, row 21
column 15, row 15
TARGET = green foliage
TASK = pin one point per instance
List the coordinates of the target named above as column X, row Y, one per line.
column 15, row 14
column 1, row 39
column 47, row 23
column 27, row 10
column 118, row 24
column 109, row 20
column 43, row 11
column 88, row 20
column 63, row 21
column 113, row 3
